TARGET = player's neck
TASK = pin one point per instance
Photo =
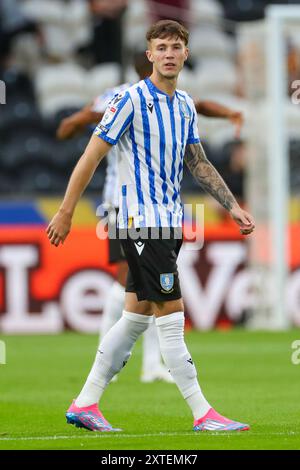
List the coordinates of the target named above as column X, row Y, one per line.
column 166, row 85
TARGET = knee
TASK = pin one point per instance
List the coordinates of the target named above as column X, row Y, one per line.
column 133, row 305
column 166, row 308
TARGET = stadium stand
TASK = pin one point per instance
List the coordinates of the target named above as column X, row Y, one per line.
column 49, row 69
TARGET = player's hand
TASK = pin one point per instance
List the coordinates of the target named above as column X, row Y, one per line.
column 243, row 219
column 237, row 119
column 59, row 228
column 66, row 129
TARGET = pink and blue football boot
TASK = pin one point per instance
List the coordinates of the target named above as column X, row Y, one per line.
column 212, row 421
column 88, row 417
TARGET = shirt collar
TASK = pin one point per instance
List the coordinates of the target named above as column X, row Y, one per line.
column 154, row 88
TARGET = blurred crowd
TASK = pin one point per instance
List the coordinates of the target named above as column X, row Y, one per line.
column 58, row 55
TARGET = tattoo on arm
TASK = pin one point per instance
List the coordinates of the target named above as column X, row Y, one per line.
column 207, row 176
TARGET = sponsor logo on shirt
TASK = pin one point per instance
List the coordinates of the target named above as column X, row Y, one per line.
column 108, row 115
column 102, row 128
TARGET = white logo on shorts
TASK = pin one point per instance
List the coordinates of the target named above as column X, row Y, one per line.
column 139, row 246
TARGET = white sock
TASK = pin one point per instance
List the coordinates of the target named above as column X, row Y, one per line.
column 177, row 358
column 151, row 349
column 113, row 308
column 113, row 353
column 112, row 312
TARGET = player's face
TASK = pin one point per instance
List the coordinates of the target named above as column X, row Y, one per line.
column 167, row 55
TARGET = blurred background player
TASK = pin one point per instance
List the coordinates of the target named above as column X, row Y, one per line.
column 107, row 29
column 152, row 367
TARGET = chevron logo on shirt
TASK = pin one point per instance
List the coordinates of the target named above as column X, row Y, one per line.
column 139, row 246
column 150, row 107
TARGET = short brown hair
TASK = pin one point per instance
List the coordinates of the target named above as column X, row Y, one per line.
column 168, row 28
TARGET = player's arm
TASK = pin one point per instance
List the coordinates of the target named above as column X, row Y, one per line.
column 60, row 225
column 211, row 181
column 76, row 123
column 213, row 109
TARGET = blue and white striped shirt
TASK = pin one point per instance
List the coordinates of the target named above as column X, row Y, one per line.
column 111, row 185
column 152, row 132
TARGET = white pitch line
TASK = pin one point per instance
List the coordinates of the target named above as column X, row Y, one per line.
column 136, row 436
column 93, row 436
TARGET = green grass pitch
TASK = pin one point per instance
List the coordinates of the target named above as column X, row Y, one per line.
column 248, row 376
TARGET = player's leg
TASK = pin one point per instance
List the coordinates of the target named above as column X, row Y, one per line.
column 157, row 266
column 115, row 298
column 114, row 303
column 170, row 326
column 114, row 351
column 152, row 368
column 112, row 355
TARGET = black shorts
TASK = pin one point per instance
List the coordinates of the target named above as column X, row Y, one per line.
column 153, row 273
column 115, row 250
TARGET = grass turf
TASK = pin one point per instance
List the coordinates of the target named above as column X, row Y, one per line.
column 247, row 376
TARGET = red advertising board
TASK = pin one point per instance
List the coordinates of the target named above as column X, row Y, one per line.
column 48, row 289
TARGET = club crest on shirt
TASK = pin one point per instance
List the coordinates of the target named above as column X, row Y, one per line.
column 184, row 109
column 167, row 282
